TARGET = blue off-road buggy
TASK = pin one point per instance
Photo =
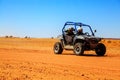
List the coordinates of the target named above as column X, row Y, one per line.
column 79, row 37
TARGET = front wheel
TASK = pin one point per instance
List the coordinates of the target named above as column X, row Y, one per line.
column 78, row 49
column 100, row 49
column 58, row 48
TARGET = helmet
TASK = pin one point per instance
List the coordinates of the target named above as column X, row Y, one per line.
column 71, row 29
column 80, row 30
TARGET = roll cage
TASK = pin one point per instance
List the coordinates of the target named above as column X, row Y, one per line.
column 77, row 24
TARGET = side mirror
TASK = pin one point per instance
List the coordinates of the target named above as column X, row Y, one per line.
column 95, row 31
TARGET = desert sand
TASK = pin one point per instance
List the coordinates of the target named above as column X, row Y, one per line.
column 34, row 59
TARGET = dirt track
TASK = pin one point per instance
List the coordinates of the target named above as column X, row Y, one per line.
column 33, row 59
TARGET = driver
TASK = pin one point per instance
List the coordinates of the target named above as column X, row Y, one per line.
column 80, row 31
column 70, row 31
column 70, row 35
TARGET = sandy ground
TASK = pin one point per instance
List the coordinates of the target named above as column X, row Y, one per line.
column 33, row 59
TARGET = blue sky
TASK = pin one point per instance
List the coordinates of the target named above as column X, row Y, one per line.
column 45, row 18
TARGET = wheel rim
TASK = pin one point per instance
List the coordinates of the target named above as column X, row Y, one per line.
column 98, row 50
column 77, row 49
column 57, row 48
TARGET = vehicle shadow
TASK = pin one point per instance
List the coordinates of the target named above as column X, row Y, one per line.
column 93, row 55
column 88, row 55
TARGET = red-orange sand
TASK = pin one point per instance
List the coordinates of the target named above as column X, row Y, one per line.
column 34, row 59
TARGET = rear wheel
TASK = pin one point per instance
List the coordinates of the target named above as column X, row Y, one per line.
column 78, row 49
column 100, row 49
column 58, row 48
